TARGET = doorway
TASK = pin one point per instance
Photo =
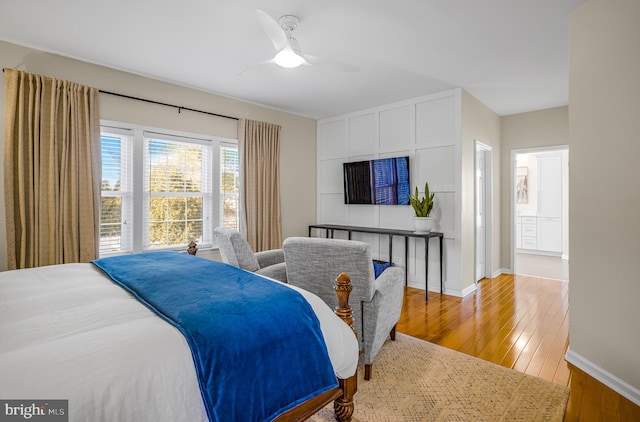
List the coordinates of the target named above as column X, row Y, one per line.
column 483, row 211
column 540, row 192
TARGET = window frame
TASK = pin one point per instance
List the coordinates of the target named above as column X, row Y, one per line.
column 139, row 132
column 223, row 194
column 126, row 188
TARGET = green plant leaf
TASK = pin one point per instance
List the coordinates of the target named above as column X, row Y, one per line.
column 422, row 206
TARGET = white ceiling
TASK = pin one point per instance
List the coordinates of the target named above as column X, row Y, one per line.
column 509, row 54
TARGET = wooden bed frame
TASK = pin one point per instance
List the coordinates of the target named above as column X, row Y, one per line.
column 342, row 396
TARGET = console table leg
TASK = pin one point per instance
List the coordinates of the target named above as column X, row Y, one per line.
column 426, row 267
column 406, row 261
column 441, row 270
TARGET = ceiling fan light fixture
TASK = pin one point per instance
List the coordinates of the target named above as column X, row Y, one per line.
column 288, row 58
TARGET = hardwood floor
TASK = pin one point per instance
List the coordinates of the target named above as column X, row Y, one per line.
column 520, row 322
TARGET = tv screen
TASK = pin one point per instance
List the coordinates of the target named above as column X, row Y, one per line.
column 383, row 181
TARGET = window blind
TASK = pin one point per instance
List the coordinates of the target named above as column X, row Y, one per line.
column 177, row 192
column 116, row 202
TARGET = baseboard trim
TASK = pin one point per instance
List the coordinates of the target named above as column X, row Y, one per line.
column 469, row 290
column 616, row 384
column 500, row 271
column 450, row 292
column 539, row 252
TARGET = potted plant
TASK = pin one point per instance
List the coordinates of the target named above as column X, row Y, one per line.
column 422, row 207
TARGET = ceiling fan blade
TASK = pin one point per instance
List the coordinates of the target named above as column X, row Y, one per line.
column 329, row 63
column 255, row 67
column 272, row 29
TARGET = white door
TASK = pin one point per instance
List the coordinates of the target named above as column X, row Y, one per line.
column 480, row 214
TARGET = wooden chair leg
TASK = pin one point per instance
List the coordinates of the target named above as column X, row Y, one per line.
column 367, row 371
column 392, row 334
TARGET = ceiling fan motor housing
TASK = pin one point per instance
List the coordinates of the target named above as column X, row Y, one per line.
column 288, row 23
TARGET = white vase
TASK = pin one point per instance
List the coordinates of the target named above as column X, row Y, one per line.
column 422, row 224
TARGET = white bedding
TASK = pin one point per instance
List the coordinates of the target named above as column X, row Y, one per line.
column 68, row 332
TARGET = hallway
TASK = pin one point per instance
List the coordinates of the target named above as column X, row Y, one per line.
column 542, row 266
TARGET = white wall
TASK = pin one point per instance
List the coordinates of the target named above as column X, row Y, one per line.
column 481, row 124
column 604, row 111
column 428, row 130
column 534, row 129
column 298, row 135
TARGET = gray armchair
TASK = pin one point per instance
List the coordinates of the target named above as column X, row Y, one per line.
column 314, row 263
column 236, row 251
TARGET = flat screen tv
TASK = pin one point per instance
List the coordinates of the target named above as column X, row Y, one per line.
column 383, row 181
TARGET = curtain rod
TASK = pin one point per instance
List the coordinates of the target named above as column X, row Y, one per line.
column 180, row 108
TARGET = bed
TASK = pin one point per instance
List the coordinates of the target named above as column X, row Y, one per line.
column 70, row 332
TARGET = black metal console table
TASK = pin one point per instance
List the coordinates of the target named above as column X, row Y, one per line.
column 331, row 228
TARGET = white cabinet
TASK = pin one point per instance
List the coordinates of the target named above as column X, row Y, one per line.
column 527, row 232
column 550, row 234
column 550, row 186
column 550, row 204
column 541, row 230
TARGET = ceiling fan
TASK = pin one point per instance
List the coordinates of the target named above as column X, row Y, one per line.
column 288, row 52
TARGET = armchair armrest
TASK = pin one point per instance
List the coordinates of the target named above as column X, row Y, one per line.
column 270, row 257
column 277, row 272
column 390, row 281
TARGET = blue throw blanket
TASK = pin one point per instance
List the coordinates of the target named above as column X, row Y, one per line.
column 257, row 345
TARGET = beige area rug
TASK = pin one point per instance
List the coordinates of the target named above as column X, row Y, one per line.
column 414, row 380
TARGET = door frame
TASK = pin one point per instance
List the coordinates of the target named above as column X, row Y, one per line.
column 512, row 189
column 487, row 150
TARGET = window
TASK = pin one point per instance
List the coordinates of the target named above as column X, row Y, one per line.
column 230, row 186
column 116, row 206
column 178, row 188
column 177, row 193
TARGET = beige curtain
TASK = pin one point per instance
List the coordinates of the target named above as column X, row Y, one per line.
column 259, row 147
column 52, row 171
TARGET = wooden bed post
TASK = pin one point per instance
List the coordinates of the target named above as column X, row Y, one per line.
column 342, row 395
column 343, row 406
column 343, row 289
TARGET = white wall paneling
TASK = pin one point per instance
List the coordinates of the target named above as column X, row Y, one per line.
column 427, row 130
column 334, row 138
column 395, row 128
column 394, row 217
column 330, row 172
column 362, row 134
column 435, row 120
column 363, row 215
column 332, row 208
column 435, row 165
column 444, row 212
